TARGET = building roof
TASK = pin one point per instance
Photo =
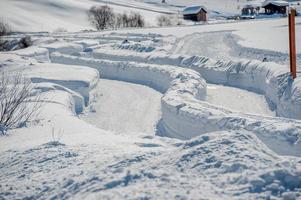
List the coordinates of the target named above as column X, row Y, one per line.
column 275, row 3
column 193, row 10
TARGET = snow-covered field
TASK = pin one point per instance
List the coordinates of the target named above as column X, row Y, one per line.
column 186, row 112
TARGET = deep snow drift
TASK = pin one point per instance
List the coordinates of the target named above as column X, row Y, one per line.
column 228, row 153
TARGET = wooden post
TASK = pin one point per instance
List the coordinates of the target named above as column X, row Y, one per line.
column 292, row 42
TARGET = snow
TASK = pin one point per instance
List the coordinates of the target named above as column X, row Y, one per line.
column 276, row 3
column 37, row 15
column 248, row 101
column 183, row 115
column 270, row 79
column 143, row 119
column 258, row 34
column 40, row 54
column 63, row 47
column 193, row 10
column 121, row 105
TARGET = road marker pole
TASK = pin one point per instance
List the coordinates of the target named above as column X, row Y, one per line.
column 292, row 42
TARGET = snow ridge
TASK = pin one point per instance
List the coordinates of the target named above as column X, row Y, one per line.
column 184, row 116
column 266, row 78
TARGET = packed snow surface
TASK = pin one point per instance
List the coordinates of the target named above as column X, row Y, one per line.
column 238, row 100
column 125, row 107
column 97, row 137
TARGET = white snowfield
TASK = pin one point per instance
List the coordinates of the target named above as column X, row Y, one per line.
column 69, row 15
column 199, row 149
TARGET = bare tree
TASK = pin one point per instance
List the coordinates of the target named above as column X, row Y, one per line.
column 136, row 20
column 4, row 28
column 164, row 20
column 17, row 105
column 125, row 20
column 102, row 17
column 118, row 21
column 129, row 20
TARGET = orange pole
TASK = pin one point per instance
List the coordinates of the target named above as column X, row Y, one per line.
column 292, row 43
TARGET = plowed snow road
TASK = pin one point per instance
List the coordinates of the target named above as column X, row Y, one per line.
column 125, row 107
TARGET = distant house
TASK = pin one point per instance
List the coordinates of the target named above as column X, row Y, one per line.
column 275, row 7
column 251, row 9
column 195, row 13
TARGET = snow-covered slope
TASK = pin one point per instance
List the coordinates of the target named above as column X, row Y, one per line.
column 225, row 6
column 49, row 15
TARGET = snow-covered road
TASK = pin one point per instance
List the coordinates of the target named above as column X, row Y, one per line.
column 125, row 107
column 238, row 100
column 227, row 45
column 129, row 108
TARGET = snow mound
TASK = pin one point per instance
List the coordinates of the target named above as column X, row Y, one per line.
column 76, row 78
column 227, row 165
column 183, row 114
column 63, row 47
column 232, row 159
column 267, row 78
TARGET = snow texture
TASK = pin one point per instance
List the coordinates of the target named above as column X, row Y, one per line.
column 227, row 153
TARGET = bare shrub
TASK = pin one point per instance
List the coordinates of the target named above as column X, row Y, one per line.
column 60, row 30
column 17, row 105
column 25, row 42
column 15, row 44
column 118, row 21
column 163, row 20
column 4, row 28
column 168, row 20
column 135, row 20
column 125, row 20
column 56, row 136
column 102, row 17
column 2, row 44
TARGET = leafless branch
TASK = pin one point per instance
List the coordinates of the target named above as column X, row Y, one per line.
column 17, row 102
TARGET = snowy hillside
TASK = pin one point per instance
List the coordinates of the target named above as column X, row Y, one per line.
column 50, row 15
column 198, row 111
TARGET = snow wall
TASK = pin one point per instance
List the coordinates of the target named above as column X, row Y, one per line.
column 267, row 78
column 184, row 114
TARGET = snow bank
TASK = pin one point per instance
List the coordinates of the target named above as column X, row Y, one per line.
column 159, row 77
column 76, row 78
column 270, row 79
column 242, row 155
column 74, row 99
column 290, row 100
column 63, row 47
column 87, row 43
column 38, row 53
column 183, row 114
